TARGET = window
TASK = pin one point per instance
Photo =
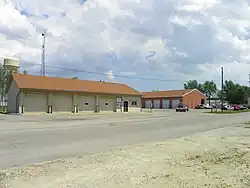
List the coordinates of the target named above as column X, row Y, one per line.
column 134, row 103
column 106, row 104
column 86, row 103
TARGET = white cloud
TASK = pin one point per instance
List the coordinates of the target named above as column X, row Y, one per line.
column 110, row 75
column 166, row 39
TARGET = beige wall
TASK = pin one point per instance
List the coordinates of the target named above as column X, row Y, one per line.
column 13, row 107
column 133, row 108
column 85, row 103
column 35, row 102
column 65, row 102
column 107, row 103
column 62, row 102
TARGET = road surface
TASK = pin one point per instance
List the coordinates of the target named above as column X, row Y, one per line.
column 25, row 140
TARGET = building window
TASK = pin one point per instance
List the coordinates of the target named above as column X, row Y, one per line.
column 86, row 103
column 106, row 104
column 134, row 103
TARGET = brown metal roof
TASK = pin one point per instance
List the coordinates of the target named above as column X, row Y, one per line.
column 65, row 84
column 162, row 94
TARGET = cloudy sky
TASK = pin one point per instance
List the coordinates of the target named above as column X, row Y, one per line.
column 167, row 40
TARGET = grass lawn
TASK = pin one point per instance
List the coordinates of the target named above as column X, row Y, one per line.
column 229, row 111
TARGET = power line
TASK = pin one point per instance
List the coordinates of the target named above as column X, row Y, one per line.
column 115, row 75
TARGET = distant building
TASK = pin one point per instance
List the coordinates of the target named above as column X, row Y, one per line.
column 172, row 98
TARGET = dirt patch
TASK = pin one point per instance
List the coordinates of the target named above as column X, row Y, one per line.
column 215, row 159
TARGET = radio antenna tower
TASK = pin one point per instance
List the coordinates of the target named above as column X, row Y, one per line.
column 43, row 54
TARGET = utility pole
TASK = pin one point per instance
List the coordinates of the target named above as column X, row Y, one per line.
column 248, row 98
column 43, row 54
column 249, row 79
column 222, row 89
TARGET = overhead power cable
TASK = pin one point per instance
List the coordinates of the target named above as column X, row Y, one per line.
column 115, row 75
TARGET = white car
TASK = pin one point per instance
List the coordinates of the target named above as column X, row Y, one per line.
column 228, row 107
column 207, row 106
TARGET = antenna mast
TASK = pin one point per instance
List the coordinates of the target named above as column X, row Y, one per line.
column 43, row 54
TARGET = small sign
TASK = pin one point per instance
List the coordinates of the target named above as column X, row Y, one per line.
column 118, row 99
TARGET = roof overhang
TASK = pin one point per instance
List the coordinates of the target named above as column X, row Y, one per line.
column 73, row 91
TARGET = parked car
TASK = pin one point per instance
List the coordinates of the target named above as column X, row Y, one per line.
column 200, row 106
column 203, row 106
column 243, row 107
column 182, row 108
column 236, row 107
column 239, row 107
column 208, row 106
column 228, row 107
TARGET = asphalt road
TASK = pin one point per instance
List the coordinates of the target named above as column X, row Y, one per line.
column 31, row 139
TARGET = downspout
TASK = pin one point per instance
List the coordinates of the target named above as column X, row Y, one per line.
column 18, row 94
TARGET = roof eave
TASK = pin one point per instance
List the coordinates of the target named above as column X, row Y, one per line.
column 75, row 91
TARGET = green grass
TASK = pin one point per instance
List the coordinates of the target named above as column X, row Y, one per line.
column 229, row 111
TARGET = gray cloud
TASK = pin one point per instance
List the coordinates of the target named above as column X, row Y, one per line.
column 188, row 39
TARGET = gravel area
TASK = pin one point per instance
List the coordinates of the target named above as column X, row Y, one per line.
column 214, row 159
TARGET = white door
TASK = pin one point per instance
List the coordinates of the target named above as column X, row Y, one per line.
column 62, row 103
column 165, row 103
column 157, row 104
column 175, row 103
column 86, row 103
column 148, row 103
column 107, row 104
column 35, row 102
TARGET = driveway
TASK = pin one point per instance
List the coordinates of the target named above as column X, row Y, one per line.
column 26, row 139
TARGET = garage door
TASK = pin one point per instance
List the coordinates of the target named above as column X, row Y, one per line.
column 62, row 103
column 165, row 103
column 107, row 104
column 86, row 103
column 35, row 102
column 148, row 103
column 175, row 103
column 157, row 104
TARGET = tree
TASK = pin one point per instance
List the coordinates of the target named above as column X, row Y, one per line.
column 209, row 88
column 155, row 90
column 25, row 72
column 193, row 84
column 75, row 78
column 235, row 93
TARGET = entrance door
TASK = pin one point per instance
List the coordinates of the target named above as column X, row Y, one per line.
column 125, row 106
column 202, row 101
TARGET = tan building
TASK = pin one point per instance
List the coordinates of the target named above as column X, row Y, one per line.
column 29, row 93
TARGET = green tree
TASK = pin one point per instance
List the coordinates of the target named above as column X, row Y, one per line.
column 209, row 88
column 25, row 72
column 235, row 93
column 155, row 90
column 193, row 84
column 75, row 78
